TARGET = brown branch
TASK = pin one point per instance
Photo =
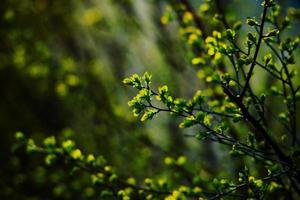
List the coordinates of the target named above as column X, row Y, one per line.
column 261, row 32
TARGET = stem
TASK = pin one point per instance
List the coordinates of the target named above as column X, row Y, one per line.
column 258, row 126
column 256, row 50
column 236, row 187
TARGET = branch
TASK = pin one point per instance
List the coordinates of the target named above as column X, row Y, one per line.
column 256, row 50
column 257, row 125
column 197, row 18
column 221, row 194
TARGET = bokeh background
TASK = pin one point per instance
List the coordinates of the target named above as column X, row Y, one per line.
column 61, row 69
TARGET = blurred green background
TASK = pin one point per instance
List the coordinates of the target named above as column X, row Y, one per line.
column 61, row 69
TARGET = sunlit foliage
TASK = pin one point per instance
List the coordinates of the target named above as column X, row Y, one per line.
column 217, row 97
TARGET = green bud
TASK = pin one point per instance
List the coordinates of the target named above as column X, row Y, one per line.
column 148, row 114
column 50, row 141
column 283, row 117
column 226, row 77
column 237, row 118
column 106, row 194
column 97, row 178
column 31, row 147
column 136, row 81
column 169, row 161
column 275, row 90
column 200, row 116
column 201, row 135
column 272, row 33
column 76, row 154
column 181, row 160
column 19, row 135
column 268, row 58
column 68, row 145
column 198, row 97
column 163, row 89
column 252, row 22
column 148, row 181
column 49, row 159
column 258, row 183
column 251, row 37
column 188, row 122
column 100, row 161
column 147, row 78
column 90, row 159
column 113, row 178
column 128, row 81
column 229, row 34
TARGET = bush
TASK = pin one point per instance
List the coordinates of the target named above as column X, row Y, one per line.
column 246, row 103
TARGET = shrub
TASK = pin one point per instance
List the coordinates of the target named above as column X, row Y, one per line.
column 255, row 119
